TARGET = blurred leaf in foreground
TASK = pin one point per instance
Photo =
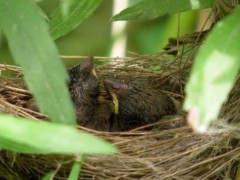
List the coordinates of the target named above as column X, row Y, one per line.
column 39, row 137
column 32, row 48
column 78, row 11
column 75, row 171
column 150, row 9
column 48, row 176
column 213, row 73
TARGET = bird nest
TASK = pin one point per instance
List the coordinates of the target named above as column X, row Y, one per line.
column 169, row 151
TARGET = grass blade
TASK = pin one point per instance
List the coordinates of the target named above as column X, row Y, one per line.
column 150, row 9
column 34, row 50
column 78, row 11
column 39, row 137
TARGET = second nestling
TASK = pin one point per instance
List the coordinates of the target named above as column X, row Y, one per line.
column 137, row 103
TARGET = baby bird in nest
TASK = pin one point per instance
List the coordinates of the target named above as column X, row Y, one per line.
column 92, row 111
column 137, row 103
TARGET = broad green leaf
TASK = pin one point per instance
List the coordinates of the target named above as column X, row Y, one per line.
column 214, row 71
column 39, row 137
column 18, row 147
column 150, row 9
column 75, row 171
column 33, row 49
column 78, row 11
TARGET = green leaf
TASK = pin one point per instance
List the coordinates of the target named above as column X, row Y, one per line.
column 65, row 5
column 48, row 176
column 150, row 9
column 6, row 143
column 39, row 137
column 33, row 49
column 214, row 72
column 61, row 24
column 75, row 171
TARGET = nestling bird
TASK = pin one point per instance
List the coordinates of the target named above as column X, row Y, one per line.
column 137, row 103
column 84, row 89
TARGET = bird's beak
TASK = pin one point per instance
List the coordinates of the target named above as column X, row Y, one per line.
column 90, row 65
column 94, row 72
column 115, row 103
column 109, row 84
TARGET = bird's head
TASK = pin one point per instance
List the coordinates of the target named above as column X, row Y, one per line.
column 116, row 90
column 84, row 75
